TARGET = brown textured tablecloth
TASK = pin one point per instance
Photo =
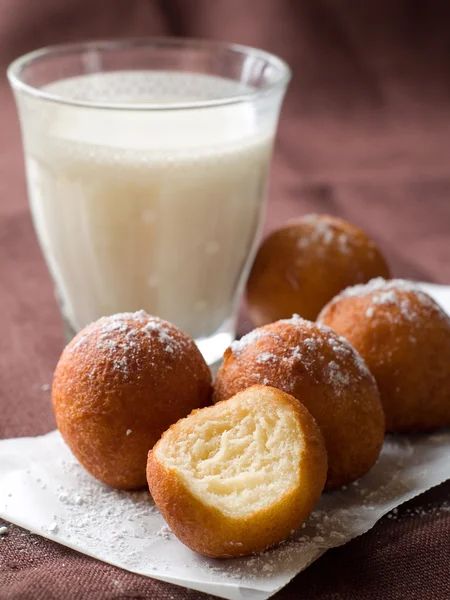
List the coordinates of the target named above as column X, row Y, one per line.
column 364, row 134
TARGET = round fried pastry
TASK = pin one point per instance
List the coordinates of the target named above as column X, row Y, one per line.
column 404, row 337
column 304, row 264
column 238, row 477
column 119, row 384
column 327, row 375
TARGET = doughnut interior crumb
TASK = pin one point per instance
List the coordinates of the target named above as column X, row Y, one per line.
column 238, row 458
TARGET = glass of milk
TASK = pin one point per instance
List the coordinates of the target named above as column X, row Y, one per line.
column 147, row 166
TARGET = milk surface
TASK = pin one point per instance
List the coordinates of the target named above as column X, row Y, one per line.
column 148, row 209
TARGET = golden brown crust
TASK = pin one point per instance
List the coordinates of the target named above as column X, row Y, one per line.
column 326, row 375
column 206, row 530
column 303, row 265
column 404, row 338
column 118, row 385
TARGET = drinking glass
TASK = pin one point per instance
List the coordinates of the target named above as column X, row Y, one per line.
column 147, row 165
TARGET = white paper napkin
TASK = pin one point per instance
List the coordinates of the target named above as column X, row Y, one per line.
column 45, row 490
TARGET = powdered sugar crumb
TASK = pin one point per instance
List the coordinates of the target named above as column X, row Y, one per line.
column 265, row 357
column 387, row 297
column 419, row 511
column 164, row 532
column 370, row 312
column 311, row 344
column 248, row 339
column 296, row 353
column 294, row 320
column 336, row 375
column 343, row 242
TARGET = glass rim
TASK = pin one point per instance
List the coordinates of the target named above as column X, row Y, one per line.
column 15, row 69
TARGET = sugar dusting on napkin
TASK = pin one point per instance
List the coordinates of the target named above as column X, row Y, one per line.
column 44, row 489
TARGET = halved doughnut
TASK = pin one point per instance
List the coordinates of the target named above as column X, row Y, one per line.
column 240, row 476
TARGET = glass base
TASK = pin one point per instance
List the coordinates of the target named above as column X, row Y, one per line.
column 212, row 347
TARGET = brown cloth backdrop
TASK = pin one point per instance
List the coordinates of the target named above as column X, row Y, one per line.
column 364, row 134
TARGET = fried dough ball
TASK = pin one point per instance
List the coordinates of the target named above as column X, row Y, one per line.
column 324, row 373
column 304, row 264
column 404, row 337
column 119, row 384
column 238, row 477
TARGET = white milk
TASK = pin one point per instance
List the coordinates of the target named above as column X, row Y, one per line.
column 148, row 209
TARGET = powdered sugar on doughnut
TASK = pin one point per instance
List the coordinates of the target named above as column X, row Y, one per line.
column 265, row 357
column 247, row 340
column 323, row 233
column 296, row 320
column 344, row 351
column 395, row 293
column 386, row 288
column 308, row 352
column 120, row 338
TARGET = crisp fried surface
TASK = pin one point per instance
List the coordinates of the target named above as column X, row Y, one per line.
column 404, row 338
column 240, row 476
column 119, row 384
column 303, row 265
column 327, row 375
